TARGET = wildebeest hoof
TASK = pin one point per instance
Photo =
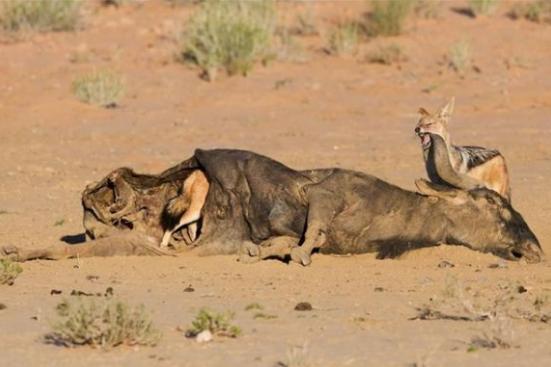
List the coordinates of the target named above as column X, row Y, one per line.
column 249, row 253
column 299, row 255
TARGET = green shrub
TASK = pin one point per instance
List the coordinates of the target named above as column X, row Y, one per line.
column 101, row 88
column 102, row 322
column 39, row 15
column 387, row 55
column 387, row 17
column 216, row 323
column 482, row 7
column 9, row 271
column 229, row 35
column 344, row 38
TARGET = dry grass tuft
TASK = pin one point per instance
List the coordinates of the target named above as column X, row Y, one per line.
column 40, row 15
column 482, row 7
column 102, row 323
column 534, row 11
column 296, row 356
column 9, row 271
column 427, row 9
column 101, row 88
column 387, row 55
column 344, row 38
column 217, row 323
column 387, row 17
column 459, row 56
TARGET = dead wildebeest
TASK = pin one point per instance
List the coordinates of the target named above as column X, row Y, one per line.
column 260, row 208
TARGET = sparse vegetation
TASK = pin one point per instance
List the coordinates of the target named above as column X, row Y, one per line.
column 387, row 55
column 534, row 11
column 217, row 323
column 265, row 316
column 287, row 47
column 9, row 271
column 306, row 24
column 482, row 7
column 428, row 9
column 500, row 334
column 460, row 56
column 509, row 302
column 229, row 35
column 296, row 356
column 254, row 306
column 102, row 322
column 59, row 222
column 343, row 39
column 387, row 17
column 39, row 15
column 101, row 88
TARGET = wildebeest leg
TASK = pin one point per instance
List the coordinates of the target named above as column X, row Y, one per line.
column 278, row 247
column 120, row 245
column 322, row 206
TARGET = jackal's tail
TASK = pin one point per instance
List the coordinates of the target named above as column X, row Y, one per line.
column 178, row 205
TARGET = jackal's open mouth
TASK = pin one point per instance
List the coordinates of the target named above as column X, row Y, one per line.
column 425, row 140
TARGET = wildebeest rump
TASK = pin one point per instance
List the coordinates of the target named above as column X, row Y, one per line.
column 262, row 208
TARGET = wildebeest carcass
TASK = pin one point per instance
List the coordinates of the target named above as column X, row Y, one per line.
column 260, row 208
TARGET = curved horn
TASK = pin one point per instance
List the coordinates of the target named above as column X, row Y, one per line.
column 445, row 170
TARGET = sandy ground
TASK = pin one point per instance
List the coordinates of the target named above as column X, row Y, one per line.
column 310, row 111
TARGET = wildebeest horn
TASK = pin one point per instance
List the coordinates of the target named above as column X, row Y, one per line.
column 445, row 170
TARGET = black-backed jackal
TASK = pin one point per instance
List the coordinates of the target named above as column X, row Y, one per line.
column 188, row 206
column 485, row 165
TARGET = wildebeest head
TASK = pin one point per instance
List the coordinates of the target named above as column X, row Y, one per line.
column 485, row 221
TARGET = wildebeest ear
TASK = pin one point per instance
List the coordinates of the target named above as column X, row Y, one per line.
column 423, row 112
column 455, row 196
column 446, row 111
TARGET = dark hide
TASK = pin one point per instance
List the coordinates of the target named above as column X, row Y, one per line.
column 261, row 208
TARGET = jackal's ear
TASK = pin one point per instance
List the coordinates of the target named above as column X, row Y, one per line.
column 423, row 112
column 430, row 189
column 447, row 110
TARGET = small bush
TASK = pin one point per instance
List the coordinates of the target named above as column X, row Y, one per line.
column 39, row 15
column 387, row 55
column 229, row 35
column 344, row 39
column 101, row 88
column 387, row 17
column 102, row 323
column 536, row 11
column 482, row 7
column 217, row 323
column 460, row 56
column 9, row 271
